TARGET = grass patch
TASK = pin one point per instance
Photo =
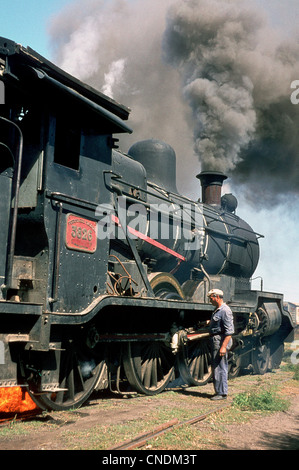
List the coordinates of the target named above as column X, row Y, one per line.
column 260, row 401
column 104, row 437
column 292, row 368
column 290, row 365
column 296, row 372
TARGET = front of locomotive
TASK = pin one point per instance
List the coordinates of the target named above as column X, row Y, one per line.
column 231, row 246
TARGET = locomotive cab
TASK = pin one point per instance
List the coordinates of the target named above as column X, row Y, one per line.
column 52, row 189
column 61, row 172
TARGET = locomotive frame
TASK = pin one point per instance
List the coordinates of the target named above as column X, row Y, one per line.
column 81, row 312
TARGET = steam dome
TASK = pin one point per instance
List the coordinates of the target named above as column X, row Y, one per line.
column 159, row 160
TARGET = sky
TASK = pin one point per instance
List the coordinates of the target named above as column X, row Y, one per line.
column 30, row 23
column 26, row 22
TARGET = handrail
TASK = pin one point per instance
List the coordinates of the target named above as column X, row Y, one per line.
column 17, row 181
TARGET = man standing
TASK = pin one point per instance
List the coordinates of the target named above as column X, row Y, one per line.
column 221, row 328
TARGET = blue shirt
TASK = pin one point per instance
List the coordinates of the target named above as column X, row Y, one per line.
column 222, row 321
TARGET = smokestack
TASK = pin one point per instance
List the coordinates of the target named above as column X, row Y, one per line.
column 211, row 183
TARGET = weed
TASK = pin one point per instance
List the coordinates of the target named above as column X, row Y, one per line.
column 291, row 368
column 261, row 401
column 296, row 372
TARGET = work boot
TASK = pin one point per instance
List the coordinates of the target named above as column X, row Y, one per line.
column 219, row 397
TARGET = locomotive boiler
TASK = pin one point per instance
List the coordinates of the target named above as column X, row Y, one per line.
column 105, row 267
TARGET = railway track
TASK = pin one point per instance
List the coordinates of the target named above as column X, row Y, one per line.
column 142, row 439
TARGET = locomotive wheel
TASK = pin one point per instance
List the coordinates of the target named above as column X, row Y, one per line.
column 261, row 359
column 78, row 377
column 148, row 366
column 194, row 361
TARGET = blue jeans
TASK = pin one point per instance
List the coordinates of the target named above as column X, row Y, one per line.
column 219, row 366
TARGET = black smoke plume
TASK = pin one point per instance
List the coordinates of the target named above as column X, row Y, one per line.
column 210, row 77
column 236, row 76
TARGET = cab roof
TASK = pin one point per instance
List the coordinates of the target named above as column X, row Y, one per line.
column 20, row 64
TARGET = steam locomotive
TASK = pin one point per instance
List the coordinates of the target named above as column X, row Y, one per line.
column 104, row 266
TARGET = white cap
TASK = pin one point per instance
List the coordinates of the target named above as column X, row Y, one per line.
column 215, row 292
